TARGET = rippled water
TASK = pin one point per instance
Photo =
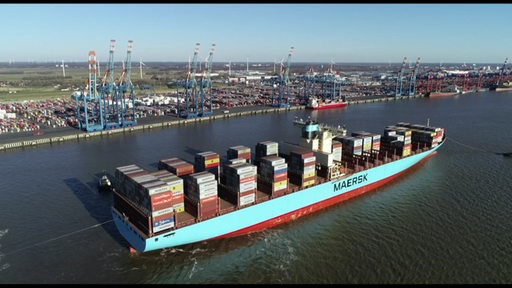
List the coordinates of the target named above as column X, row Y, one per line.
column 445, row 222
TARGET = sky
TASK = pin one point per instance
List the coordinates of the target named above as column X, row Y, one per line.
column 337, row 33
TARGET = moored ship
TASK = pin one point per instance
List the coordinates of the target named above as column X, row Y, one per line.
column 319, row 104
column 507, row 86
column 452, row 91
column 184, row 202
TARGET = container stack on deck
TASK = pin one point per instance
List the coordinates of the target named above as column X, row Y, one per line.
column 424, row 136
column 208, row 161
column 181, row 193
column 265, row 148
column 148, row 197
column 201, row 195
column 397, row 140
column 240, row 183
column 239, row 151
column 302, row 171
column 273, row 175
column 176, row 188
column 176, row 166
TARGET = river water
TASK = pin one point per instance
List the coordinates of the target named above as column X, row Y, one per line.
column 445, row 222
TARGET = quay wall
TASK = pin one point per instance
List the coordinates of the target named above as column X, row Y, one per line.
column 81, row 135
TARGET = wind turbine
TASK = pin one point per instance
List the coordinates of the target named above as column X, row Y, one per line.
column 140, row 67
column 63, row 68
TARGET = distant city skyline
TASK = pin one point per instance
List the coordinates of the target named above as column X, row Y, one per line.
column 319, row 33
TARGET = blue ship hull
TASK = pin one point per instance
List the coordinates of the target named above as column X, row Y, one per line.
column 274, row 211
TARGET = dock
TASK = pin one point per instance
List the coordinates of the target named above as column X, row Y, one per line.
column 72, row 134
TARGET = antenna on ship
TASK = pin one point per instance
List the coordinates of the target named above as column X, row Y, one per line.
column 428, row 122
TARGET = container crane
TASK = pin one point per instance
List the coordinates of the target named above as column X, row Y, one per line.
column 109, row 96
column 190, row 84
column 283, row 83
column 400, row 78
column 206, row 85
column 90, row 120
column 430, row 79
column 126, row 91
column 309, row 85
column 480, row 79
column 414, row 74
column 502, row 74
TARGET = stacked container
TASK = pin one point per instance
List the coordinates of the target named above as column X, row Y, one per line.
column 239, row 152
column 208, row 161
column 337, row 149
column 397, row 140
column 302, row 171
column 265, row 148
column 424, row 136
column 273, row 175
column 350, row 145
column 176, row 166
column 240, row 183
column 201, row 195
column 175, row 186
column 371, row 141
column 150, row 195
column 325, row 141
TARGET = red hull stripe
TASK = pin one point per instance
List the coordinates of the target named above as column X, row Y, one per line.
column 317, row 206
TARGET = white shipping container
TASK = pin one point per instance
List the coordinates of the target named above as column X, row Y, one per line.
column 162, row 212
column 272, row 160
column 163, row 227
column 309, row 159
column 247, row 199
column 309, row 169
column 237, row 161
column 244, row 168
column 280, row 166
column 326, row 159
column 247, row 186
column 205, row 185
column 157, row 188
column 202, row 177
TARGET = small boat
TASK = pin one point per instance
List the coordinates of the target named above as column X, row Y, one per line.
column 104, row 184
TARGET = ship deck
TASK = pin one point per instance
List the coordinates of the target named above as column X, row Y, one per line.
column 225, row 206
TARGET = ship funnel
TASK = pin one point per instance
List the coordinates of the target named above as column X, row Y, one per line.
column 310, row 130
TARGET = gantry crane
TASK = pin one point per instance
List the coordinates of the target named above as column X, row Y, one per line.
column 430, row 81
column 109, row 94
column 206, row 86
column 400, row 78
column 88, row 105
column 480, row 79
column 503, row 73
column 125, row 92
column 414, row 74
column 309, row 85
column 282, row 84
column 191, row 92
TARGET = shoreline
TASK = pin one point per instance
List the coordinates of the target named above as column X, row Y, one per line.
column 57, row 135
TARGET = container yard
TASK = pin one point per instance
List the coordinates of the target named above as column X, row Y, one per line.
column 29, row 123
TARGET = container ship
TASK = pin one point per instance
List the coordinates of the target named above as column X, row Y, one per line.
column 185, row 202
column 453, row 90
column 319, row 104
column 507, row 86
